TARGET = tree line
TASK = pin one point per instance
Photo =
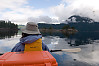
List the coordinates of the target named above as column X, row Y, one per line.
column 54, row 26
column 8, row 25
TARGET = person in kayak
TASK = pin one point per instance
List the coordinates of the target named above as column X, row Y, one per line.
column 30, row 40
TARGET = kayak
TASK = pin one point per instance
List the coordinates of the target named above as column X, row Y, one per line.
column 28, row 58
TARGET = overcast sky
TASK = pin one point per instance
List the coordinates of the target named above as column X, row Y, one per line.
column 49, row 11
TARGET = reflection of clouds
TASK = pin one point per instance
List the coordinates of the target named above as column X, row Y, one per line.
column 95, row 56
column 1, row 50
column 64, row 59
column 96, row 41
column 72, row 41
column 87, row 56
column 1, row 42
column 51, row 41
column 55, row 40
column 61, row 57
column 47, row 40
column 7, row 44
column 62, row 44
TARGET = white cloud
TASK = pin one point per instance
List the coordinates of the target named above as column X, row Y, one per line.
column 18, row 10
column 43, row 19
column 11, row 3
column 61, row 11
column 79, row 7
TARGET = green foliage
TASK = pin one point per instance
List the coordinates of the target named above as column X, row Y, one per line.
column 72, row 28
column 9, row 25
column 50, row 27
column 66, row 27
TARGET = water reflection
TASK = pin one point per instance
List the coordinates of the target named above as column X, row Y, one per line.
column 7, row 44
column 64, row 59
column 7, row 34
column 82, row 38
column 8, row 39
column 87, row 41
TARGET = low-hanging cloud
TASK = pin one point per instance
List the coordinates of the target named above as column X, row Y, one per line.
column 45, row 19
column 85, row 8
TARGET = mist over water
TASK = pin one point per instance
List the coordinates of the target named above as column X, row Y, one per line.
column 87, row 41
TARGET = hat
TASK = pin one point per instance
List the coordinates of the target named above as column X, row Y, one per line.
column 31, row 28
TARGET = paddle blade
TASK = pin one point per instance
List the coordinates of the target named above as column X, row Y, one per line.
column 1, row 53
column 72, row 50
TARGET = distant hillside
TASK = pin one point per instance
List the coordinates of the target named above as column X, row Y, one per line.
column 77, row 18
column 47, row 26
column 83, row 23
column 85, row 26
column 80, row 26
column 20, row 26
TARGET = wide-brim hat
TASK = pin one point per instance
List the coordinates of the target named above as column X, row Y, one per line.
column 31, row 28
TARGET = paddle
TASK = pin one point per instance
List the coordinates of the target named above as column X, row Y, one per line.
column 67, row 50
column 1, row 53
column 63, row 50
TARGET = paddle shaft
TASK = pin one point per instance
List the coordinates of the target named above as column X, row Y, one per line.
column 1, row 53
column 67, row 50
column 55, row 50
column 63, row 50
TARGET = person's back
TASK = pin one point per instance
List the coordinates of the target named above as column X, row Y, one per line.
column 30, row 40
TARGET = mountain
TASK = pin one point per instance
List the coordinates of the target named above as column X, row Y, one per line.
column 78, row 22
column 85, row 26
column 77, row 18
column 83, row 23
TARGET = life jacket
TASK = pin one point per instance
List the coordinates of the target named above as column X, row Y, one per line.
column 35, row 46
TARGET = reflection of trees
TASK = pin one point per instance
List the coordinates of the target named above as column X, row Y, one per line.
column 7, row 34
column 76, row 39
column 82, row 38
column 68, row 34
column 80, row 42
column 60, row 34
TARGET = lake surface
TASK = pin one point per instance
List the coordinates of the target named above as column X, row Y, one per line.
column 87, row 41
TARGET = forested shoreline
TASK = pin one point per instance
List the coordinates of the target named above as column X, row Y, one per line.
column 7, row 25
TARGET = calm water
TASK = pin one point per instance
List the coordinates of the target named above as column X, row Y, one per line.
column 87, row 41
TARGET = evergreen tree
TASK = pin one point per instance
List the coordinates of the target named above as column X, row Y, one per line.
column 8, row 25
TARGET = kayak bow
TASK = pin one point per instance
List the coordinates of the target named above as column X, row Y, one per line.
column 28, row 58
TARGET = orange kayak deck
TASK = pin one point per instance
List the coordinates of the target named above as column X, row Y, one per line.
column 28, row 58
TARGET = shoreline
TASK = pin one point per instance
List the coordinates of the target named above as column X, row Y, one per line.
column 59, row 30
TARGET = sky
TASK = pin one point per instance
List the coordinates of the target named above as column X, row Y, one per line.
column 47, row 11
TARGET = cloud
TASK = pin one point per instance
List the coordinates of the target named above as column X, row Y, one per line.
column 18, row 10
column 44, row 19
column 11, row 4
column 86, row 8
